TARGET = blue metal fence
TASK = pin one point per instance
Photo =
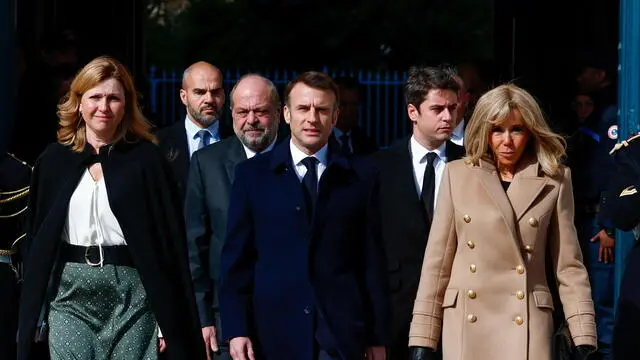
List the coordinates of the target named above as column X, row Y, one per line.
column 382, row 112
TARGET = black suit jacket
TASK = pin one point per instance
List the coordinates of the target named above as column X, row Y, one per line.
column 173, row 142
column 405, row 229
column 143, row 197
column 361, row 144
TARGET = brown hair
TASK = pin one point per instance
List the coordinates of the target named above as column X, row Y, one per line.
column 316, row 80
column 133, row 126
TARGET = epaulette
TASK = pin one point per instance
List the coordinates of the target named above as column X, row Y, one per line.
column 20, row 161
column 624, row 143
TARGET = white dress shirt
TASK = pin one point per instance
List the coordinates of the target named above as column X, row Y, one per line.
column 457, row 136
column 419, row 161
column 192, row 134
column 90, row 220
column 250, row 153
column 297, row 156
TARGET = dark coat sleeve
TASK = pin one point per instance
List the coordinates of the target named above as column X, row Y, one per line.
column 375, row 274
column 621, row 207
column 198, row 235
column 238, row 262
column 168, row 217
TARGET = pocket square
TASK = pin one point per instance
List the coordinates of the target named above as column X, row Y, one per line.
column 628, row 191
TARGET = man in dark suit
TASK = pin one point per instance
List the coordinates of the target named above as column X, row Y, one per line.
column 303, row 268
column 255, row 109
column 349, row 136
column 410, row 173
column 203, row 97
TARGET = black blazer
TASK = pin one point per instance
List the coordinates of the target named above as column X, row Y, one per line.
column 361, row 144
column 404, row 229
column 173, row 142
column 143, row 197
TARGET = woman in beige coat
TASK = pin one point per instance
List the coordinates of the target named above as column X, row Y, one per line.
column 500, row 212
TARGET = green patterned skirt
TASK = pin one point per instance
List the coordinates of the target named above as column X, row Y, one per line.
column 101, row 313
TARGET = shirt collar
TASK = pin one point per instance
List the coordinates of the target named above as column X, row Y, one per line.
column 297, row 155
column 458, row 133
column 192, row 129
column 250, row 153
column 418, row 151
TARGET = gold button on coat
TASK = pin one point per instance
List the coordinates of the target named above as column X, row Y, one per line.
column 471, row 244
column 472, row 318
column 533, row 222
column 520, row 269
column 472, row 294
column 467, row 218
column 472, row 267
column 519, row 320
column 520, row 294
column 528, row 248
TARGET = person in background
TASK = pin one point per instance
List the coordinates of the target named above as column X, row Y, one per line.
column 105, row 255
column 351, row 138
column 502, row 210
column 202, row 94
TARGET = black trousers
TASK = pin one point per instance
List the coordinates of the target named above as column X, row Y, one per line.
column 9, row 295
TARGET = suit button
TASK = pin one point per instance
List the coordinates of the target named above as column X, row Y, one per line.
column 472, row 268
column 520, row 269
column 519, row 320
column 472, row 318
column 520, row 294
column 528, row 248
column 471, row 244
column 472, row 294
column 307, row 310
column 533, row 222
column 467, row 218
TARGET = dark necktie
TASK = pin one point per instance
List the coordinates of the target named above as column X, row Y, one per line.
column 429, row 185
column 310, row 183
column 204, row 136
column 344, row 147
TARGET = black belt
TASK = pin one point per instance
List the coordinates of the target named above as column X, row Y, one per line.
column 111, row 255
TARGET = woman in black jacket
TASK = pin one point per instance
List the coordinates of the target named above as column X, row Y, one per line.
column 106, row 268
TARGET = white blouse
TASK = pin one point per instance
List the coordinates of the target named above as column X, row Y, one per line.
column 90, row 220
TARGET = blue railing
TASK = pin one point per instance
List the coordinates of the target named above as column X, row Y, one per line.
column 382, row 111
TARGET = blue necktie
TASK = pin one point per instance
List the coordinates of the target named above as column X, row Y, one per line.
column 204, row 136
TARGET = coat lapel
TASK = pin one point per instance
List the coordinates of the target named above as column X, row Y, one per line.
column 235, row 155
column 525, row 188
column 491, row 182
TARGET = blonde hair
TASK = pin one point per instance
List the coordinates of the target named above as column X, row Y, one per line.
column 493, row 108
column 72, row 130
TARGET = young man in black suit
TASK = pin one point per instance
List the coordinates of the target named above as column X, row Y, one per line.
column 202, row 94
column 255, row 109
column 410, row 172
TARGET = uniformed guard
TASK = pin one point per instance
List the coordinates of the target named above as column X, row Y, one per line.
column 14, row 191
column 622, row 211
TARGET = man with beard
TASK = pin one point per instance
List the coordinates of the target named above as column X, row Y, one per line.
column 202, row 93
column 255, row 109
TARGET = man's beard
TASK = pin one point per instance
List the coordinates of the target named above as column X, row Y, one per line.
column 204, row 120
column 259, row 143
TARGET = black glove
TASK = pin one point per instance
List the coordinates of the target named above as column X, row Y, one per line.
column 582, row 352
column 421, row 353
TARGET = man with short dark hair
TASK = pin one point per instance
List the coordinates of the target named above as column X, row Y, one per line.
column 351, row 138
column 410, row 173
column 303, row 268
